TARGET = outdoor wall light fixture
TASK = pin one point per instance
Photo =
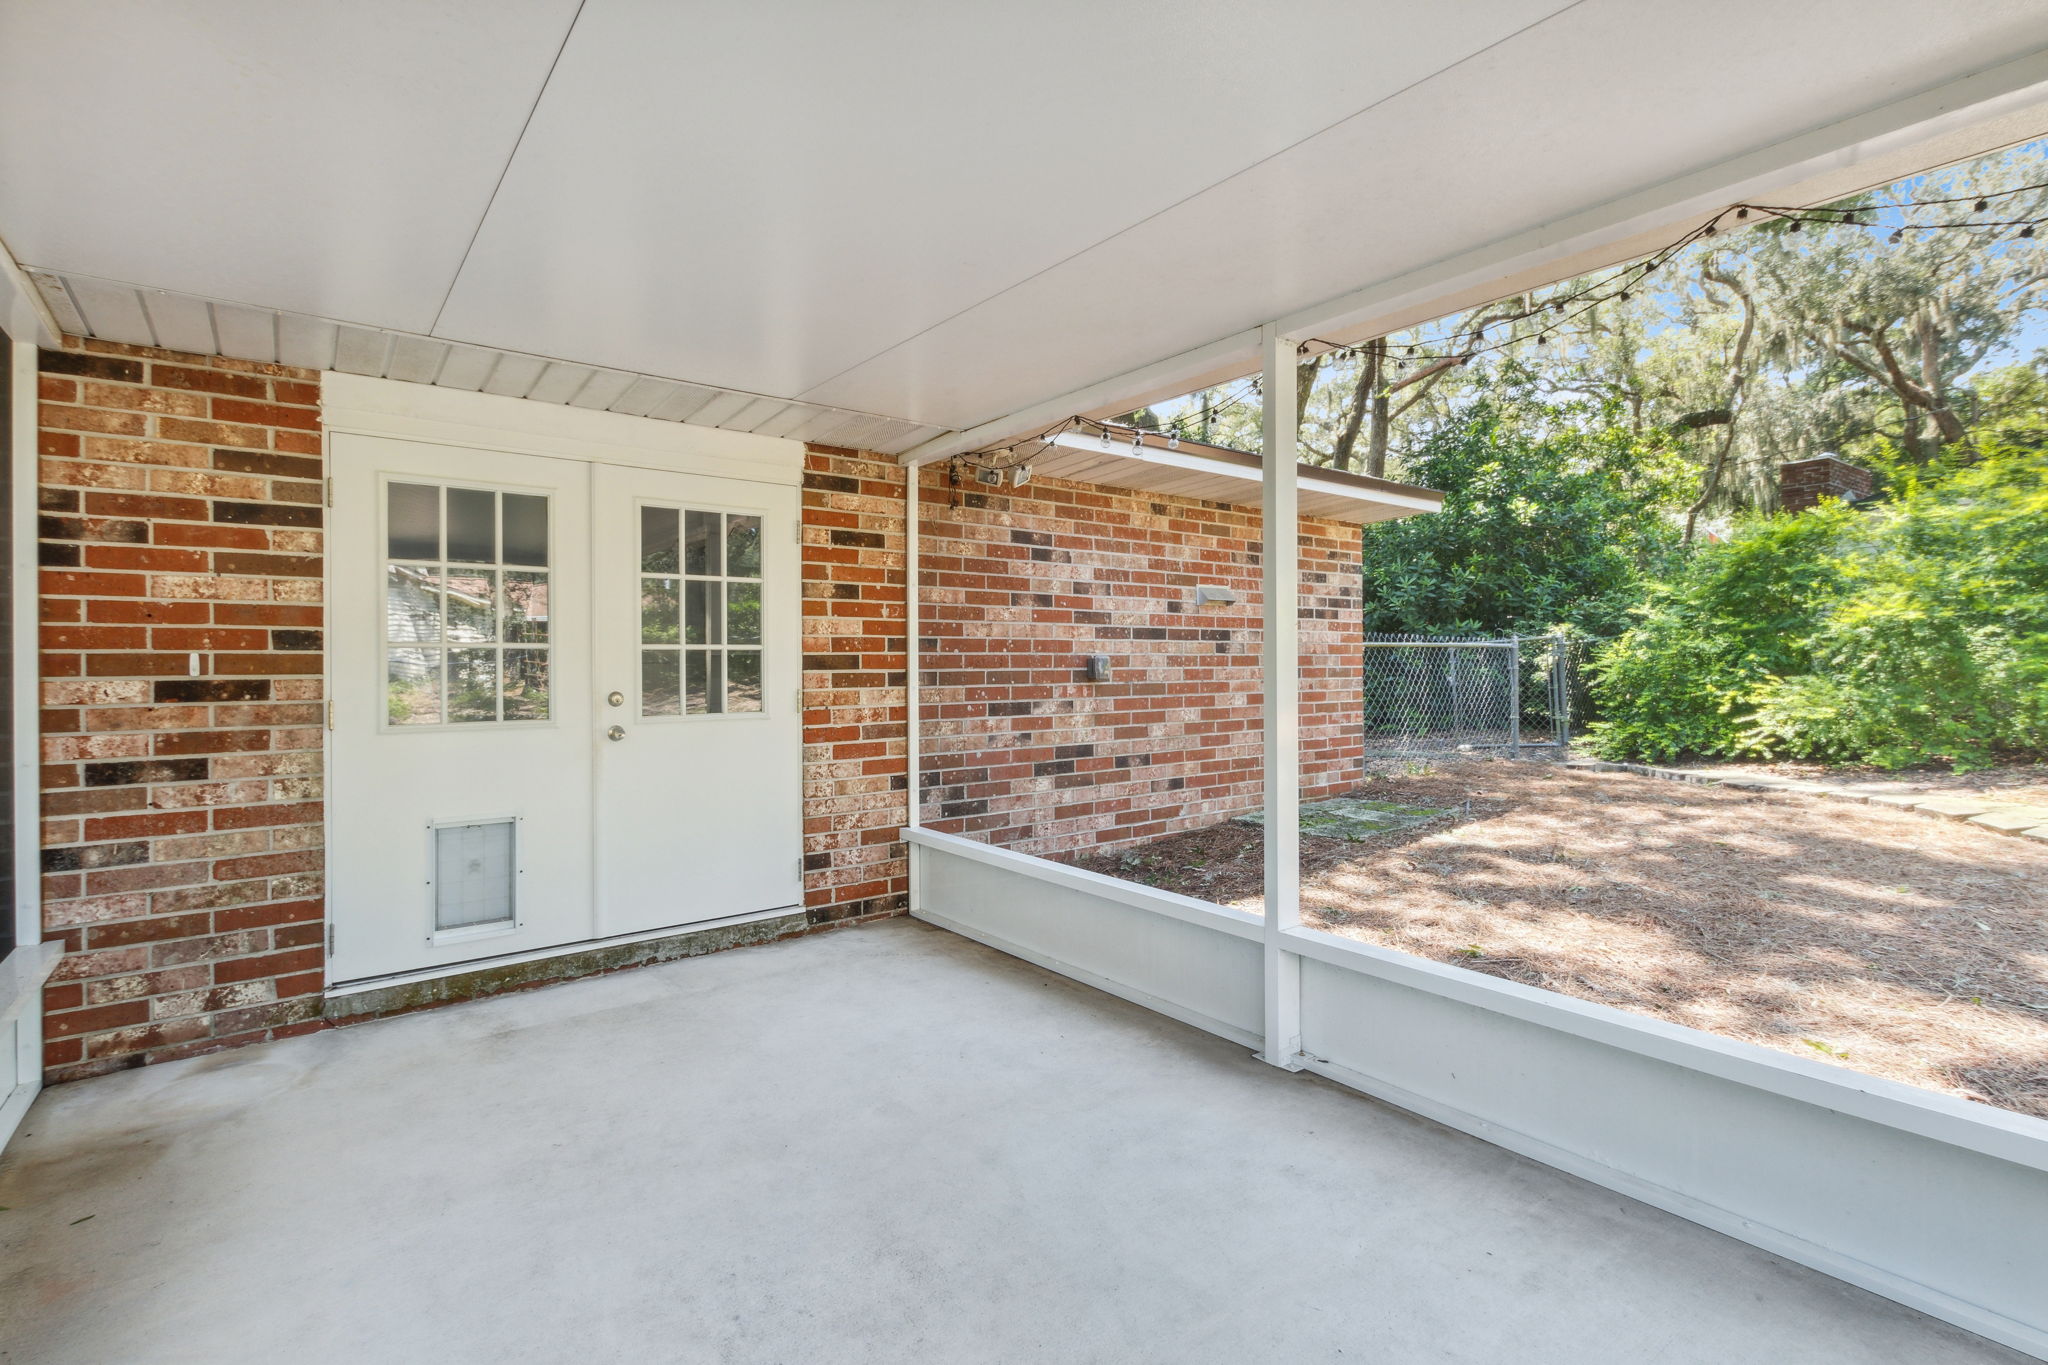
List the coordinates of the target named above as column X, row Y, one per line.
column 1211, row 594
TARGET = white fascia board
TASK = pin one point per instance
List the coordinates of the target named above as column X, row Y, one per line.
column 1964, row 118
column 1995, row 108
column 1197, row 463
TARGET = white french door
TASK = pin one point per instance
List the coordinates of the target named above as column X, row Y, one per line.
column 565, row 702
column 698, row 791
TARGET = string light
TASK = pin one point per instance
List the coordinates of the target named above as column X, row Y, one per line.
column 1463, row 347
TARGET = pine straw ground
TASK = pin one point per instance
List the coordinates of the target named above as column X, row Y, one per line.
column 1888, row 942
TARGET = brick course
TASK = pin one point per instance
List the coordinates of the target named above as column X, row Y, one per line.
column 181, row 515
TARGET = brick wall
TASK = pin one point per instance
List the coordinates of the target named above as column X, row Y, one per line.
column 1019, row 587
column 854, row 740
column 181, row 515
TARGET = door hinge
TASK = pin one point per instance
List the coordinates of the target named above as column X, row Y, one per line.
column 329, row 494
column 330, row 713
column 330, row 940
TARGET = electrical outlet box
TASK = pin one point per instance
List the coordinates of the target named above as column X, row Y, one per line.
column 1098, row 668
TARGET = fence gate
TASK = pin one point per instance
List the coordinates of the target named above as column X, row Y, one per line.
column 1435, row 694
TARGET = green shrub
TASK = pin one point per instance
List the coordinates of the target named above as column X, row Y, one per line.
column 1735, row 615
column 1911, row 633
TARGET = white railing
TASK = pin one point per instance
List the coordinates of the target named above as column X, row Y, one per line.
column 1936, row 1202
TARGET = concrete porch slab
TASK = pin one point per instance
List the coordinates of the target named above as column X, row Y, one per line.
column 884, row 1144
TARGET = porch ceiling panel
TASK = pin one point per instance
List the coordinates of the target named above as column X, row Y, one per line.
column 838, row 177
column 329, row 158
column 918, row 217
column 1606, row 99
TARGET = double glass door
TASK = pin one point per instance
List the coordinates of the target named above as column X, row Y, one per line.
column 566, row 703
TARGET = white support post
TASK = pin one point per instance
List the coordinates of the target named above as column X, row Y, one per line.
column 910, row 655
column 1280, row 668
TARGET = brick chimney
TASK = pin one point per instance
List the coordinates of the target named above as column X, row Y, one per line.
column 1803, row 483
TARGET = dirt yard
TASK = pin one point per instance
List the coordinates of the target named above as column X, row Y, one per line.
column 1885, row 941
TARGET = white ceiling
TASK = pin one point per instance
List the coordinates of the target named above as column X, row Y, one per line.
column 931, row 211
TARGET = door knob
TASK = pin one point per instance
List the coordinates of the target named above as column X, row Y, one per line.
column 616, row 732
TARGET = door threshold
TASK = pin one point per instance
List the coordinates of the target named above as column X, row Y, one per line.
column 359, row 985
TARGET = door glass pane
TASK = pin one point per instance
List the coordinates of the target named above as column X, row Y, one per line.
column 743, row 613
column 699, row 668
column 702, row 552
column 526, row 684
column 413, row 521
column 657, row 540
column 526, row 529
column 465, row 598
column 660, row 683
column 412, row 603
column 472, row 605
column 703, row 622
column 472, row 684
column 660, row 607
column 412, row 689
column 526, row 607
column 743, row 680
column 743, row 547
column 472, row 525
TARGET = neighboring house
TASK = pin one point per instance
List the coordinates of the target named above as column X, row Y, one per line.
column 514, row 492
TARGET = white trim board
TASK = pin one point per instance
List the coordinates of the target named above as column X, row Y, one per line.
column 28, row 967
column 360, row 405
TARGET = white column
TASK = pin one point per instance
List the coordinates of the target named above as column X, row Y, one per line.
column 1280, row 666
column 911, row 735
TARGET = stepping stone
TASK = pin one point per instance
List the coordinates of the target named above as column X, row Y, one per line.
column 1354, row 818
column 1953, row 807
column 1904, row 802
column 2012, row 819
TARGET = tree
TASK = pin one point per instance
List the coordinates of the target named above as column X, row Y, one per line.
column 1550, row 519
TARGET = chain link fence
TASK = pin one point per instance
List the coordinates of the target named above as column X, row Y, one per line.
column 1435, row 694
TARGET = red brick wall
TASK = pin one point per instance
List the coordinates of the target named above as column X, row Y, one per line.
column 1020, row 587
column 181, row 514
column 854, row 742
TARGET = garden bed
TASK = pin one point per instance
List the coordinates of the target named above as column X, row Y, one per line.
column 1875, row 939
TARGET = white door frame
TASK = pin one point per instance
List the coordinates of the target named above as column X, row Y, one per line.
column 359, row 405
column 26, row 969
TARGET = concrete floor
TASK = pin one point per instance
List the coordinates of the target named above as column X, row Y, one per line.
column 884, row 1144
